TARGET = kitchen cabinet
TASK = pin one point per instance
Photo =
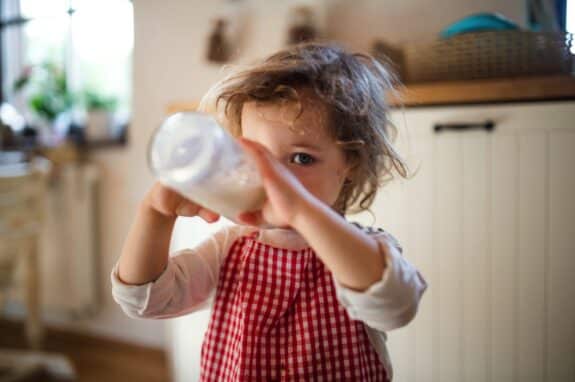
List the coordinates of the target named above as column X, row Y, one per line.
column 489, row 220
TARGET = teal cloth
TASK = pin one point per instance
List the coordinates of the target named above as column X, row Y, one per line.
column 478, row 22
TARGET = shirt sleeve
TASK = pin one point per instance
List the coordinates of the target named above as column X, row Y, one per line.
column 185, row 285
column 391, row 302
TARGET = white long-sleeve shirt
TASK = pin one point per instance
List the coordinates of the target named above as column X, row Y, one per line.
column 191, row 276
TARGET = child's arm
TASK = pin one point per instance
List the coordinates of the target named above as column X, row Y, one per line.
column 145, row 283
column 379, row 282
column 145, row 252
column 393, row 300
column 184, row 286
column 351, row 255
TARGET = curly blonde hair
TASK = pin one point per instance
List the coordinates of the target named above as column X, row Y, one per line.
column 353, row 86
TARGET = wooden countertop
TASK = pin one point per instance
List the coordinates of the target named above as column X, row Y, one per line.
column 487, row 91
column 467, row 92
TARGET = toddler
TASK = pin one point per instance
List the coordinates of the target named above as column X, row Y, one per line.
column 312, row 297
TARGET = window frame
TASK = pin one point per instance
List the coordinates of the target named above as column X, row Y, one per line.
column 17, row 20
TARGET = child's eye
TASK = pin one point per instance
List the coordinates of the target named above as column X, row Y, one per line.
column 302, row 159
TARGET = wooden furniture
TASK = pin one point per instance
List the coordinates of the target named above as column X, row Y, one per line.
column 22, row 189
column 70, row 206
column 488, row 219
column 487, row 91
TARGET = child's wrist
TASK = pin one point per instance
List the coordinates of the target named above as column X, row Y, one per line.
column 308, row 207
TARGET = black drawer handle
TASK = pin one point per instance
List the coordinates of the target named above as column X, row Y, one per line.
column 488, row 125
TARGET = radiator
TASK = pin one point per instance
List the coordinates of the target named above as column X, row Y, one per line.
column 68, row 249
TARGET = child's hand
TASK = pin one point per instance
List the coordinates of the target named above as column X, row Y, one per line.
column 286, row 196
column 169, row 203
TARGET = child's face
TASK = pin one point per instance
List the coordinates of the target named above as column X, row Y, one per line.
column 303, row 145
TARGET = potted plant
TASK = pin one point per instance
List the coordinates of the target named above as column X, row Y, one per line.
column 47, row 96
column 99, row 115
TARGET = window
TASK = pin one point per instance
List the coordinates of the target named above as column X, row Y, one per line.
column 570, row 21
column 89, row 42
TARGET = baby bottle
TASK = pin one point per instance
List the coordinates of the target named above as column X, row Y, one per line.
column 191, row 154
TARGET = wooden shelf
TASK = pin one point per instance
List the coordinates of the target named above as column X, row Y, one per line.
column 175, row 107
column 527, row 89
column 487, row 91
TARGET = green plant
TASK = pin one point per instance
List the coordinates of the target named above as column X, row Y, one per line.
column 48, row 94
column 95, row 101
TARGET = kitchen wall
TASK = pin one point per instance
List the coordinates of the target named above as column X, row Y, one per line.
column 169, row 65
column 407, row 21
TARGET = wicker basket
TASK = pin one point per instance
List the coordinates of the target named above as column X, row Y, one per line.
column 489, row 55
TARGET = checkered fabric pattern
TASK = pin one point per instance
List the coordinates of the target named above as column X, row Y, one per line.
column 276, row 318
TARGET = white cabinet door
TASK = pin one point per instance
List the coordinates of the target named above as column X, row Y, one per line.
column 489, row 219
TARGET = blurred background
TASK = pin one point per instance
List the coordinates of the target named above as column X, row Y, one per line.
column 485, row 113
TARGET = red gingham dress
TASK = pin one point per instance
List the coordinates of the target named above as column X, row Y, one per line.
column 276, row 318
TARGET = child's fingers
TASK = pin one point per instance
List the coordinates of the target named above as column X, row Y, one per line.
column 261, row 156
column 262, row 218
column 250, row 218
column 187, row 208
column 208, row 215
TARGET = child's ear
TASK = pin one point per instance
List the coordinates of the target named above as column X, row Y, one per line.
column 344, row 174
column 351, row 168
column 352, row 159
